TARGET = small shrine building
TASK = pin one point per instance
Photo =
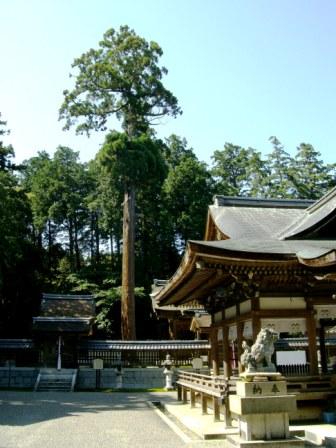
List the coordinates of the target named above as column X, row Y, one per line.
column 64, row 319
column 263, row 263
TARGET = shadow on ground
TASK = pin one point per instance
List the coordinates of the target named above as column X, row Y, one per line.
column 26, row 408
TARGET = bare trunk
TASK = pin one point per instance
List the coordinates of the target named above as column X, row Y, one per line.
column 71, row 243
column 92, row 238
column 77, row 252
column 97, row 238
column 127, row 298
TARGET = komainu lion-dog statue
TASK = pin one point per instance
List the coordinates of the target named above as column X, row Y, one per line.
column 257, row 358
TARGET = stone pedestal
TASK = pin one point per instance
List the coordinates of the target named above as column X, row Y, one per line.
column 262, row 406
column 169, row 379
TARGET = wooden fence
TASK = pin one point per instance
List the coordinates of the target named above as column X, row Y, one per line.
column 141, row 353
column 294, row 370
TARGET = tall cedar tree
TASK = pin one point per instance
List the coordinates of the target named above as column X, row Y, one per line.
column 121, row 78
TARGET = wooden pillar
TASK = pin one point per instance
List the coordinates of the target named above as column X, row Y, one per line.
column 192, row 398
column 204, row 403
column 240, row 328
column 226, row 352
column 256, row 322
column 179, row 392
column 216, row 410
column 323, row 354
column 214, row 351
column 184, row 394
column 256, row 326
column 227, row 413
column 312, row 345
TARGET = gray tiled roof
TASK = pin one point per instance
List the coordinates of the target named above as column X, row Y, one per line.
column 146, row 345
column 313, row 215
column 8, row 344
column 67, row 305
column 65, row 313
column 307, row 249
column 253, row 222
column 62, row 324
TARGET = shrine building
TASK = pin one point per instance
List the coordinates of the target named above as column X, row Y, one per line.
column 263, row 263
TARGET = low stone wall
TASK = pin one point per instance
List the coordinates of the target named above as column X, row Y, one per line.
column 18, row 377
column 129, row 378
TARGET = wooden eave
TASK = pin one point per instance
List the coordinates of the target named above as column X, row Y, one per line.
column 212, row 231
column 204, row 268
column 326, row 260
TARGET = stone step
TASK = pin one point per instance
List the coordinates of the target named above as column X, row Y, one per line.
column 55, row 380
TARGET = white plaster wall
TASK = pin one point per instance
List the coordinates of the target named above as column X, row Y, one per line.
column 245, row 307
column 218, row 316
column 285, row 325
column 230, row 312
column 282, row 303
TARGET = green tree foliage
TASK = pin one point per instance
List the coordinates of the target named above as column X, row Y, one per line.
column 188, row 191
column 312, row 178
column 243, row 172
column 122, row 78
column 239, row 172
column 17, row 276
column 137, row 161
column 230, row 169
column 6, row 151
column 61, row 220
column 280, row 182
column 59, row 191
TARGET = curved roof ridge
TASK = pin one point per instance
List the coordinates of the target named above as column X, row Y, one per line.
column 242, row 201
column 312, row 216
column 323, row 200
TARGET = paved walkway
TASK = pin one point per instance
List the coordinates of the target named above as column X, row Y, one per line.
column 116, row 420
column 82, row 420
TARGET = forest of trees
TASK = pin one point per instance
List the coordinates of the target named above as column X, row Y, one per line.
column 61, row 220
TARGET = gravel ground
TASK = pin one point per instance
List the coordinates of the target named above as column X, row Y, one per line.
column 82, row 420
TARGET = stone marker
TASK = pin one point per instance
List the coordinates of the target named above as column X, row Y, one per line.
column 262, row 403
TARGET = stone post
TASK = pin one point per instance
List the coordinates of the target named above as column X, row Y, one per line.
column 168, row 373
column 262, row 405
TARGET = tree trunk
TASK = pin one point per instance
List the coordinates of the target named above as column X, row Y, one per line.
column 97, row 238
column 77, row 252
column 49, row 236
column 92, row 238
column 71, row 243
column 127, row 298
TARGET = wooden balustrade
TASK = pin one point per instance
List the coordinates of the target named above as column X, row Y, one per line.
column 216, row 388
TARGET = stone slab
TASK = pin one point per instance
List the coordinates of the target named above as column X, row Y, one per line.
column 237, row 442
column 318, row 434
column 251, row 376
column 262, row 405
column 261, row 388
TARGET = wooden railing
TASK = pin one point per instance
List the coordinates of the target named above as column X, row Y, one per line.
column 216, row 388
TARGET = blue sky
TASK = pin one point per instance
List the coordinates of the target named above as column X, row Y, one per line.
column 242, row 70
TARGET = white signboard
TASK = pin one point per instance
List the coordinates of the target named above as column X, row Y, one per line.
column 197, row 363
column 98, row 364
column 291, row 357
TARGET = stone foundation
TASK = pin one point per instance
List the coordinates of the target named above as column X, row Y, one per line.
column 262, row 407
column 18, row 377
